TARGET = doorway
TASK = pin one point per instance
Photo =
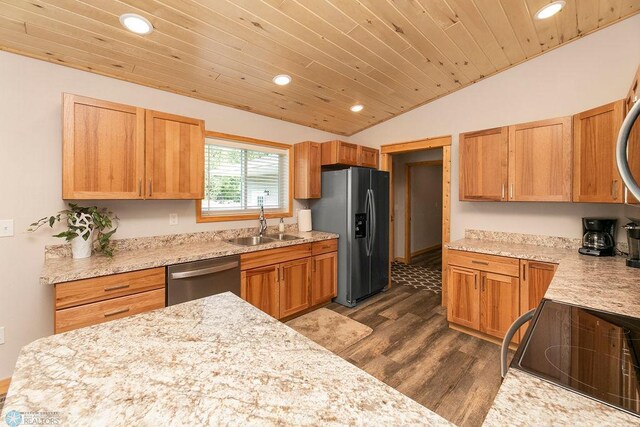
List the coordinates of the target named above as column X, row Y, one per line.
column 388, row 152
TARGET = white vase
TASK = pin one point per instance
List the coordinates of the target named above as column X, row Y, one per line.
column 81, row 248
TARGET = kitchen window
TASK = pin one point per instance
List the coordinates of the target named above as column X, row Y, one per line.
column 240, row 175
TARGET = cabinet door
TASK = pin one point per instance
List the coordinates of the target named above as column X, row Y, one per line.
column 595, row 172
column 535, row 278
column 499, row 303
column 324, row 283
column 259, row 286
column 483, row 165
column 295, row 281
column 368, row 157
column 308, row 159
column 347, row 153
column 540, row 161
column 174, row 157
column 103, row 149
column 463, row 306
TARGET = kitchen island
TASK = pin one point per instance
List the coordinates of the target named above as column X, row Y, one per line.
column 212, row 361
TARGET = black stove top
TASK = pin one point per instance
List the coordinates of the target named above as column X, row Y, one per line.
column 587, row 351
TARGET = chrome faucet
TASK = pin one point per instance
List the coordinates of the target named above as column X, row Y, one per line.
column 263, row 221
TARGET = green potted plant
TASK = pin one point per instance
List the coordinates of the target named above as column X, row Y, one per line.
column 84, row 226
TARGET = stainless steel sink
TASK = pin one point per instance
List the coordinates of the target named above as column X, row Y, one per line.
column 283, row 237
column 251, row 240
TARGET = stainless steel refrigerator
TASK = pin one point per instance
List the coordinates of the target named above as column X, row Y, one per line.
column 355, row 204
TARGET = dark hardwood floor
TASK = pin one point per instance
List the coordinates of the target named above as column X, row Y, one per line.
column 413, row 350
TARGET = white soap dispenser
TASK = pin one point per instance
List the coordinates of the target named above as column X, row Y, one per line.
column 281, row 225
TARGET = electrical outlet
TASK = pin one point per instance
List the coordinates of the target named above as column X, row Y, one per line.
column 173, row 219
column 6, row 228
column 2, row 335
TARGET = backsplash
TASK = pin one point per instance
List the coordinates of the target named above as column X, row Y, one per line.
column 138, row 243
column 533, row 239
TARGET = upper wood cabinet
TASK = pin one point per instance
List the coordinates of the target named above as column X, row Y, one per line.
column 540, row 161
column 339, row 153
column 174, row 157
column 595, row 172
column 368, row 157
column 484, row 157
column 103, row 149
column 307, row 163
column 115, row 151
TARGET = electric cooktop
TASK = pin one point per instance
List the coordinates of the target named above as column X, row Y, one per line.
column 590, row 352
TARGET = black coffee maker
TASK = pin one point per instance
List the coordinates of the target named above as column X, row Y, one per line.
column 599, row 237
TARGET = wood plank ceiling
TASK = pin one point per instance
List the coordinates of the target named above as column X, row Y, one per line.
column 389, row 55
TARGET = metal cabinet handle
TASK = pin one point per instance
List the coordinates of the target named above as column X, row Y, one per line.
column 205, row 271
column 511, row 191
column 503, row 191
column 614, row 189
column 473, row 261
column 113, row 313
column 482, row 285
column 475, row 282
column 139, row 187
column 150, row 187
column 115, row 288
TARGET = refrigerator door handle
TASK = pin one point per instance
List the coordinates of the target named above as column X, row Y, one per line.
column 367, row 211
column 373, row 220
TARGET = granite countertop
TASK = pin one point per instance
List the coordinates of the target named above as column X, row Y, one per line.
column 600, row 283
column 212, row 361
column 65, row 269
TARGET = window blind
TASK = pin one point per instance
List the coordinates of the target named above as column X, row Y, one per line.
column 239, row 178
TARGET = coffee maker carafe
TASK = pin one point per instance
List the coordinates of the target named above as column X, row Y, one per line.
column 599, row 237
column 633, row 237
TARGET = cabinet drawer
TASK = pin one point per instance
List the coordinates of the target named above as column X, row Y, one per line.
column 70, row 294
column 274, row 256
column 324, row 247
column 103, row 311
column 483, row 262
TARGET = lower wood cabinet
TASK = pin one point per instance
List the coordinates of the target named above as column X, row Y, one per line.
column 499, row 303
column 88, row 302
column 324, row 278
column 260, row 288
column 304, row 276
column 487, row 293
column 463, row 307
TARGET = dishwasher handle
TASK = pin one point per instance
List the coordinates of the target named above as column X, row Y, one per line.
column 509, row 335
column 205, row 271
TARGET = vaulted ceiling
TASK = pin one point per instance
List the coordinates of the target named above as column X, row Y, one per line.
column 389, row 55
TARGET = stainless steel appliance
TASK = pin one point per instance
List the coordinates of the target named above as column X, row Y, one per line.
column 587, row 351
column 199, row 279
column 633, row 238
column 355, row 204
column 599, row 237
column 628, row 143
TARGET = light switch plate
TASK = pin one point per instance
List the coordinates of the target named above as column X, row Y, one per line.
column 2, row 335
column 173, row 219
column 6, row 227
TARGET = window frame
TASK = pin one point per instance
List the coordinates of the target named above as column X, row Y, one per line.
column 248, row 216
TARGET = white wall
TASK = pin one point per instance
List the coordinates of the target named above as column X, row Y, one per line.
column 31, row 182
column 592, row 71
column 399, row 162
column 426, row 207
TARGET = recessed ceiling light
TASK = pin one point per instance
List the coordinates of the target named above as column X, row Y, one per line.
column 550, row 9
column 136, row 23
column 282, row 79
column 357, row 108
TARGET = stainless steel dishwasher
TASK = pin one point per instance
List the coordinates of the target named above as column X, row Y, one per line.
column 199, row 279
